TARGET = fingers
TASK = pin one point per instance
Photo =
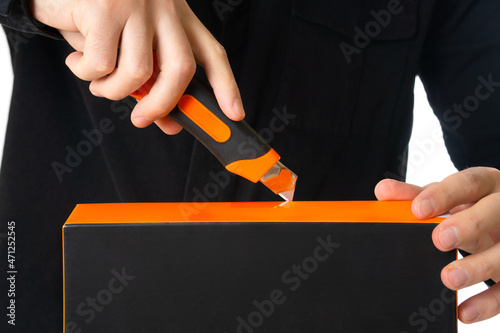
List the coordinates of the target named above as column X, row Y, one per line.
column 100, row 51
column 176, row 53
column 461, row 188
column 135, row 61
column 168, row 28
column 480, row 307
column 469, row 225
column 473, row 198
column 177, row 68
column 390, row 189
column 210, row 54
column 473, row 269
column 92, row 28
column 75, row 39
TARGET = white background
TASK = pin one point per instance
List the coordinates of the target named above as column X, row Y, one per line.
column 428, row 159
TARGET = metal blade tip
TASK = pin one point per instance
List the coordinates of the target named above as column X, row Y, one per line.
column 287, row 195
column 281, row 181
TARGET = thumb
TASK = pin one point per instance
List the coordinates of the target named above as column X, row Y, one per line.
column 390, row 189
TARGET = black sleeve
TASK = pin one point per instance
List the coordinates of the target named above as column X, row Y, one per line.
column 460, row 69
column 15, row 14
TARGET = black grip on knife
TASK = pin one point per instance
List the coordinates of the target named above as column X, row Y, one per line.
column 243, row 142
column 234, row 143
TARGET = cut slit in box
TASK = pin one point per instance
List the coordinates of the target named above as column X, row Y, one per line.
column 254, row 267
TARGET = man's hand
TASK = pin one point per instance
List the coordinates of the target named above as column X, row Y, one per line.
column 473, row 199
column 97, row 29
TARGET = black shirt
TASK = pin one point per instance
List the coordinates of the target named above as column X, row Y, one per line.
column 328, row 83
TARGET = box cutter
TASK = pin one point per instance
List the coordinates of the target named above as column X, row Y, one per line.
column 236, row 145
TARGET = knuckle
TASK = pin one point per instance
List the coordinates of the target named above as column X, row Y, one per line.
column 159, row 106
column 473, row 221
column 140, row 73
column 219, row 50
column 102, row 66
column 487, row 270
column 474, row 246
column 475, row 179
column 186, row 67
column 215, row 54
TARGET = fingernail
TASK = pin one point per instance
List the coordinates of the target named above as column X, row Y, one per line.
column 458, row 277
column 95, row 93
column 470, row 313
column 141, row 122
column 238, row 108
column 448, row 237
column 426, row 208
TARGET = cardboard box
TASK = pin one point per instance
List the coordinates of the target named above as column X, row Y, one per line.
column 254, row 267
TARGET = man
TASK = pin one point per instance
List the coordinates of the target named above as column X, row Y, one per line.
column 337, row 75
